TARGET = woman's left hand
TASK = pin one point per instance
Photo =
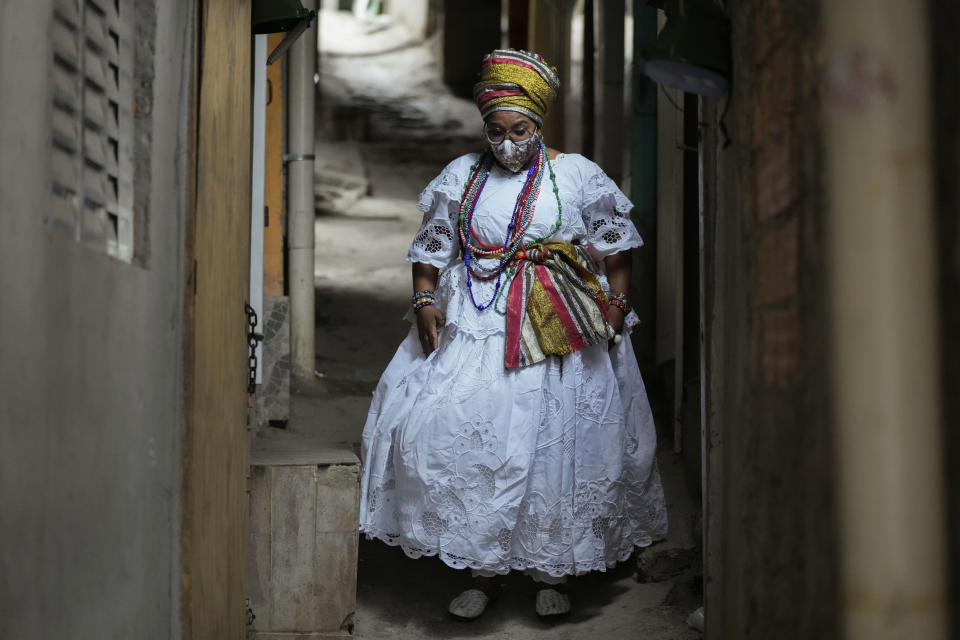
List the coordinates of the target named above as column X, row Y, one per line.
column 616, row 321
column 617, row 266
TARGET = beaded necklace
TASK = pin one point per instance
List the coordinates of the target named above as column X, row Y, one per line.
column 513, row 247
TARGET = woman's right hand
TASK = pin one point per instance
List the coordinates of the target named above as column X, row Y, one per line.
column 430, row 321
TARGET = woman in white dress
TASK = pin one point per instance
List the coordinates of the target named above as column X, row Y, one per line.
column 511, row 430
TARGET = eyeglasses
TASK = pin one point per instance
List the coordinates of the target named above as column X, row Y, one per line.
column 497, row 134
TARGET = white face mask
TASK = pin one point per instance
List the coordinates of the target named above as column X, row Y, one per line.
column 513, row 155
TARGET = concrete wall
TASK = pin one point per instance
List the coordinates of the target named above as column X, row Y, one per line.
column 771, row 570
column 90, row 364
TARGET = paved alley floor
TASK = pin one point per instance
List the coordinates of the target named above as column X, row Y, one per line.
column 386, row 126
column 412, row 601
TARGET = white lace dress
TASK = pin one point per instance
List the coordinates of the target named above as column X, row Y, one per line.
column 550, row 467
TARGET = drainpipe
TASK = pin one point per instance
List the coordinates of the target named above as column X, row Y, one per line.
column 300, row 150
column 884, row 325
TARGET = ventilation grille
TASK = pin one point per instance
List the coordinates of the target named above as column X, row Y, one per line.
column 92, row 125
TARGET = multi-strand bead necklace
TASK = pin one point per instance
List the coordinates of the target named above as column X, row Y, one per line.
column 513, row 248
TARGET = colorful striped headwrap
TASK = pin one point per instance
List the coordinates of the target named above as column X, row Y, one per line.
column 518, row 81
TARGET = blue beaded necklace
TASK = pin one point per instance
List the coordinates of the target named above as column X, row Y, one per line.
column 519, row 221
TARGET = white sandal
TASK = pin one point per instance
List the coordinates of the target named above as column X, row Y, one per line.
column 551, row 602
column 469, row 605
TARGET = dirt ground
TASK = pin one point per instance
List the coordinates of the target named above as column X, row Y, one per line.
column 386, row 126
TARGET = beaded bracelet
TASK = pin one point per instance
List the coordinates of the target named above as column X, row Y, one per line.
column 619, row 300
column 423, row 303
column 421, row 299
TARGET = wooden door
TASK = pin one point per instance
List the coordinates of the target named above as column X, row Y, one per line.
column 213, row 539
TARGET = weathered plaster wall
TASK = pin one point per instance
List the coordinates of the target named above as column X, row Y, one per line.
column 771, row 527
column 90, row 368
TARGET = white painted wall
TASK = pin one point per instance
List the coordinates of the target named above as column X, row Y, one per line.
column 414, row 14
column 90, row 369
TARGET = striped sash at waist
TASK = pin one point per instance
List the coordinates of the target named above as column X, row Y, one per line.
column 555, row 304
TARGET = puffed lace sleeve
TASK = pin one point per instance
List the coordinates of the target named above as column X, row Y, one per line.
column 437, row 240
column 606, row 213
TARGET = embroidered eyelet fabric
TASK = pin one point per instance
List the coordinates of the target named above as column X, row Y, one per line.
column 595, row 213
column 550, row 467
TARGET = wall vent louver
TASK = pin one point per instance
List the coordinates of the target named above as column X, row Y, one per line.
column 92, row 125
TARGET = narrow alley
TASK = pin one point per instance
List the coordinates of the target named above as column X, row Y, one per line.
column 717, row 396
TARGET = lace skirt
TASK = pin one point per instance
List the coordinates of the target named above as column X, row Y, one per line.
column 549, row 467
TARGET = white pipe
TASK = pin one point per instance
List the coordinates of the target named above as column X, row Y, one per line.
column 257, row 178
column 302, row 57
column 884, row 324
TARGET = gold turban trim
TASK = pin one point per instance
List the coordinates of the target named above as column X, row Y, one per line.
column 516, row 81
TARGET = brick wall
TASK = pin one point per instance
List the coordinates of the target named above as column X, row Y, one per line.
column 771, row 570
